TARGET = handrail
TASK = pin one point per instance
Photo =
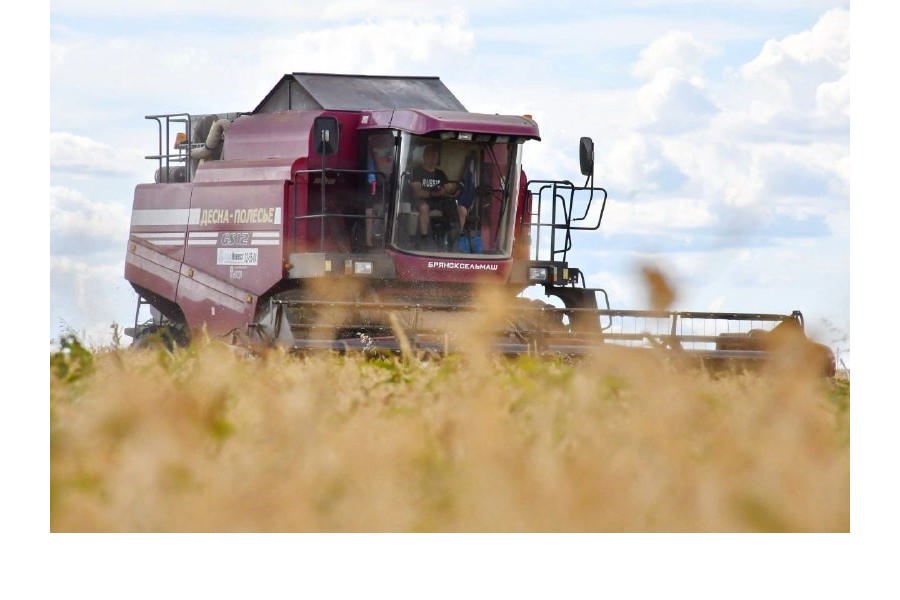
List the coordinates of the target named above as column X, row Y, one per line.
column 163, row 153
column 562, row 213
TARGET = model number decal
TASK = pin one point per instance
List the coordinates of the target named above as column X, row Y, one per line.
column 237, row 256
column 235, row 238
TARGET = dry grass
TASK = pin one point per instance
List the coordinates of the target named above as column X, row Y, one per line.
column 206, row 440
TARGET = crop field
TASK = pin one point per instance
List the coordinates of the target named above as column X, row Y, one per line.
column 208, row 439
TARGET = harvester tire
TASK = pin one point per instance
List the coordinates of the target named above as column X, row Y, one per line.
column 159, row 336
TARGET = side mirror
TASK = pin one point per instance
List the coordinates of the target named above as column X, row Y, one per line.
column 327, row 135
column 586, row 156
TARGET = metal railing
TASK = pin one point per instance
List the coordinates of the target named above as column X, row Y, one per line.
column 564, row 199
column 164, row 157
column 171, row 157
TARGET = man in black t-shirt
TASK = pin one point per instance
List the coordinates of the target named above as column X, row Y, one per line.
column 433, row 192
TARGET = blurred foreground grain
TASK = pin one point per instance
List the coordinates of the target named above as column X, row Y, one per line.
column 205, row 440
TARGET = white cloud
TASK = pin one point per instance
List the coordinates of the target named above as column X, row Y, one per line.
column 833, row 97
column 665, row 216
column 673, row 103
column 683, row 143
column 674, row 99
column 383, row 46
column 563, row 116
column 756, row 179
column 82, row 226
column 218, row 71
column 127, row 76
column 81, row 155
column 676, row 50
column 779, row 145
column 786, row 174
column 828, row 41
column 638, row 164
column 800, row 79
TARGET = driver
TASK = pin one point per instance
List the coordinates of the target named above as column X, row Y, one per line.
column 433, row 191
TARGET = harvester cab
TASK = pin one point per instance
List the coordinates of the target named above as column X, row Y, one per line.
column 362, row 212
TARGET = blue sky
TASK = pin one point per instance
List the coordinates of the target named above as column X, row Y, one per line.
column 722, row 128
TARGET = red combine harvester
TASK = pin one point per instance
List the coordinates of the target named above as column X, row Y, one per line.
column 363, row 212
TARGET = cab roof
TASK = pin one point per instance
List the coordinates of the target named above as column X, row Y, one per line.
column 331, row 91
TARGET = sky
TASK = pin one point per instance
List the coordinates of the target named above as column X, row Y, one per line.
column 721, row 129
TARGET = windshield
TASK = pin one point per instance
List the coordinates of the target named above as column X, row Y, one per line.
column 456, row 197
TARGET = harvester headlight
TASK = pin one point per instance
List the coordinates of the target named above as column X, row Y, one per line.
column 537, row 273
column 465, row 136
column 362, row 267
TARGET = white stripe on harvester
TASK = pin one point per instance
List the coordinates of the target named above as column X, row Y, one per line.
column 162, row 238
column 266, row 238
column 165, row 216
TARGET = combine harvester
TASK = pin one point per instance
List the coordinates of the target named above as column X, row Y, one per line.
column 319, row 221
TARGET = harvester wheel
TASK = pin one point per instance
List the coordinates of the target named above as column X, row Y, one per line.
column 155, row 336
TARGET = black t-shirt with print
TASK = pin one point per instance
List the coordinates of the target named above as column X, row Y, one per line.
column 431, row 181
column 434, row 181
